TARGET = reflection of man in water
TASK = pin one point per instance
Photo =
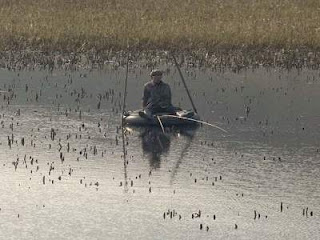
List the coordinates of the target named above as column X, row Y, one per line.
column 155, row 143
column 156, row 96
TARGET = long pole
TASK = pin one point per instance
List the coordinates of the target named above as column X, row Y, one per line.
column 125, row 90
column 184, row 83
column 194, row 120
column 122, row 128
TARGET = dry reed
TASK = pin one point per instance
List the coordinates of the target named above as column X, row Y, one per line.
column 80, row 25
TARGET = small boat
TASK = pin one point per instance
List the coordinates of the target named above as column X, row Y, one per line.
column 181, row 118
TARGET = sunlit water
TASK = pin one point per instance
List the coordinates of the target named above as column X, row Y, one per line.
column 63, row 174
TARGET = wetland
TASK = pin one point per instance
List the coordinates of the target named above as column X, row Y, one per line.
column 68, row 171
column 63, row 166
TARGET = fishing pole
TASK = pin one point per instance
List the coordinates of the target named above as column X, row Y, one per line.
column 194, row 120
column 161, row 125
column 184, row 82
column 122, row 126
column 125, row 90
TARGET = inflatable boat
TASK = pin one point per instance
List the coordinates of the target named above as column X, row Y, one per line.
column 181, row 118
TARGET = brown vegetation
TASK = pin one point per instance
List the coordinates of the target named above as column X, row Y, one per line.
column 80, row 25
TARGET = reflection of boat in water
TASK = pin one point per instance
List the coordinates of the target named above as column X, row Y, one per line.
column 156, row 142
column 182, row 118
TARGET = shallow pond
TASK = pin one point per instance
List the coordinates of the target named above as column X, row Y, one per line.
column 64, row 175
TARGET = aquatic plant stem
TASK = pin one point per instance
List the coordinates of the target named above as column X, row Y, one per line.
column 184, row 83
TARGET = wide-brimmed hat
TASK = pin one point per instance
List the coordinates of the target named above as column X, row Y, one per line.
column 156, row 72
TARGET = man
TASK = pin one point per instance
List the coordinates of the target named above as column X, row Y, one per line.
column 156, row 96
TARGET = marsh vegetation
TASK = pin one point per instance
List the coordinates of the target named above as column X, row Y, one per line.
column 78, row 25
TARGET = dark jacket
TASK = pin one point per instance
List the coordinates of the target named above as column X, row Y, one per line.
column 156, row 95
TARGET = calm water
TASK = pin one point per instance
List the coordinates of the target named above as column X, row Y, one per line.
column 63, row 174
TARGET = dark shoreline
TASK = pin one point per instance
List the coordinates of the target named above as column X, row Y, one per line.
column 234, row 58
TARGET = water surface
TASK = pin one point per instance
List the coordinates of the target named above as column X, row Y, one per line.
column 64, row 175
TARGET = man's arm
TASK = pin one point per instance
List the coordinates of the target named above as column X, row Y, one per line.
column 168, row 95
column 146, row 96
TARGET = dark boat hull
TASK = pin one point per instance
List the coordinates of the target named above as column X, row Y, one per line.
column 182, row 118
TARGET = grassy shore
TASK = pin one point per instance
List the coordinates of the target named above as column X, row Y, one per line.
column 80, row 25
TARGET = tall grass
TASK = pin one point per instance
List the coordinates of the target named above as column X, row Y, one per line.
column 75, row 25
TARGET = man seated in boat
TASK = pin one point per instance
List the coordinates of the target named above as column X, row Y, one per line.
column 156, row 97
